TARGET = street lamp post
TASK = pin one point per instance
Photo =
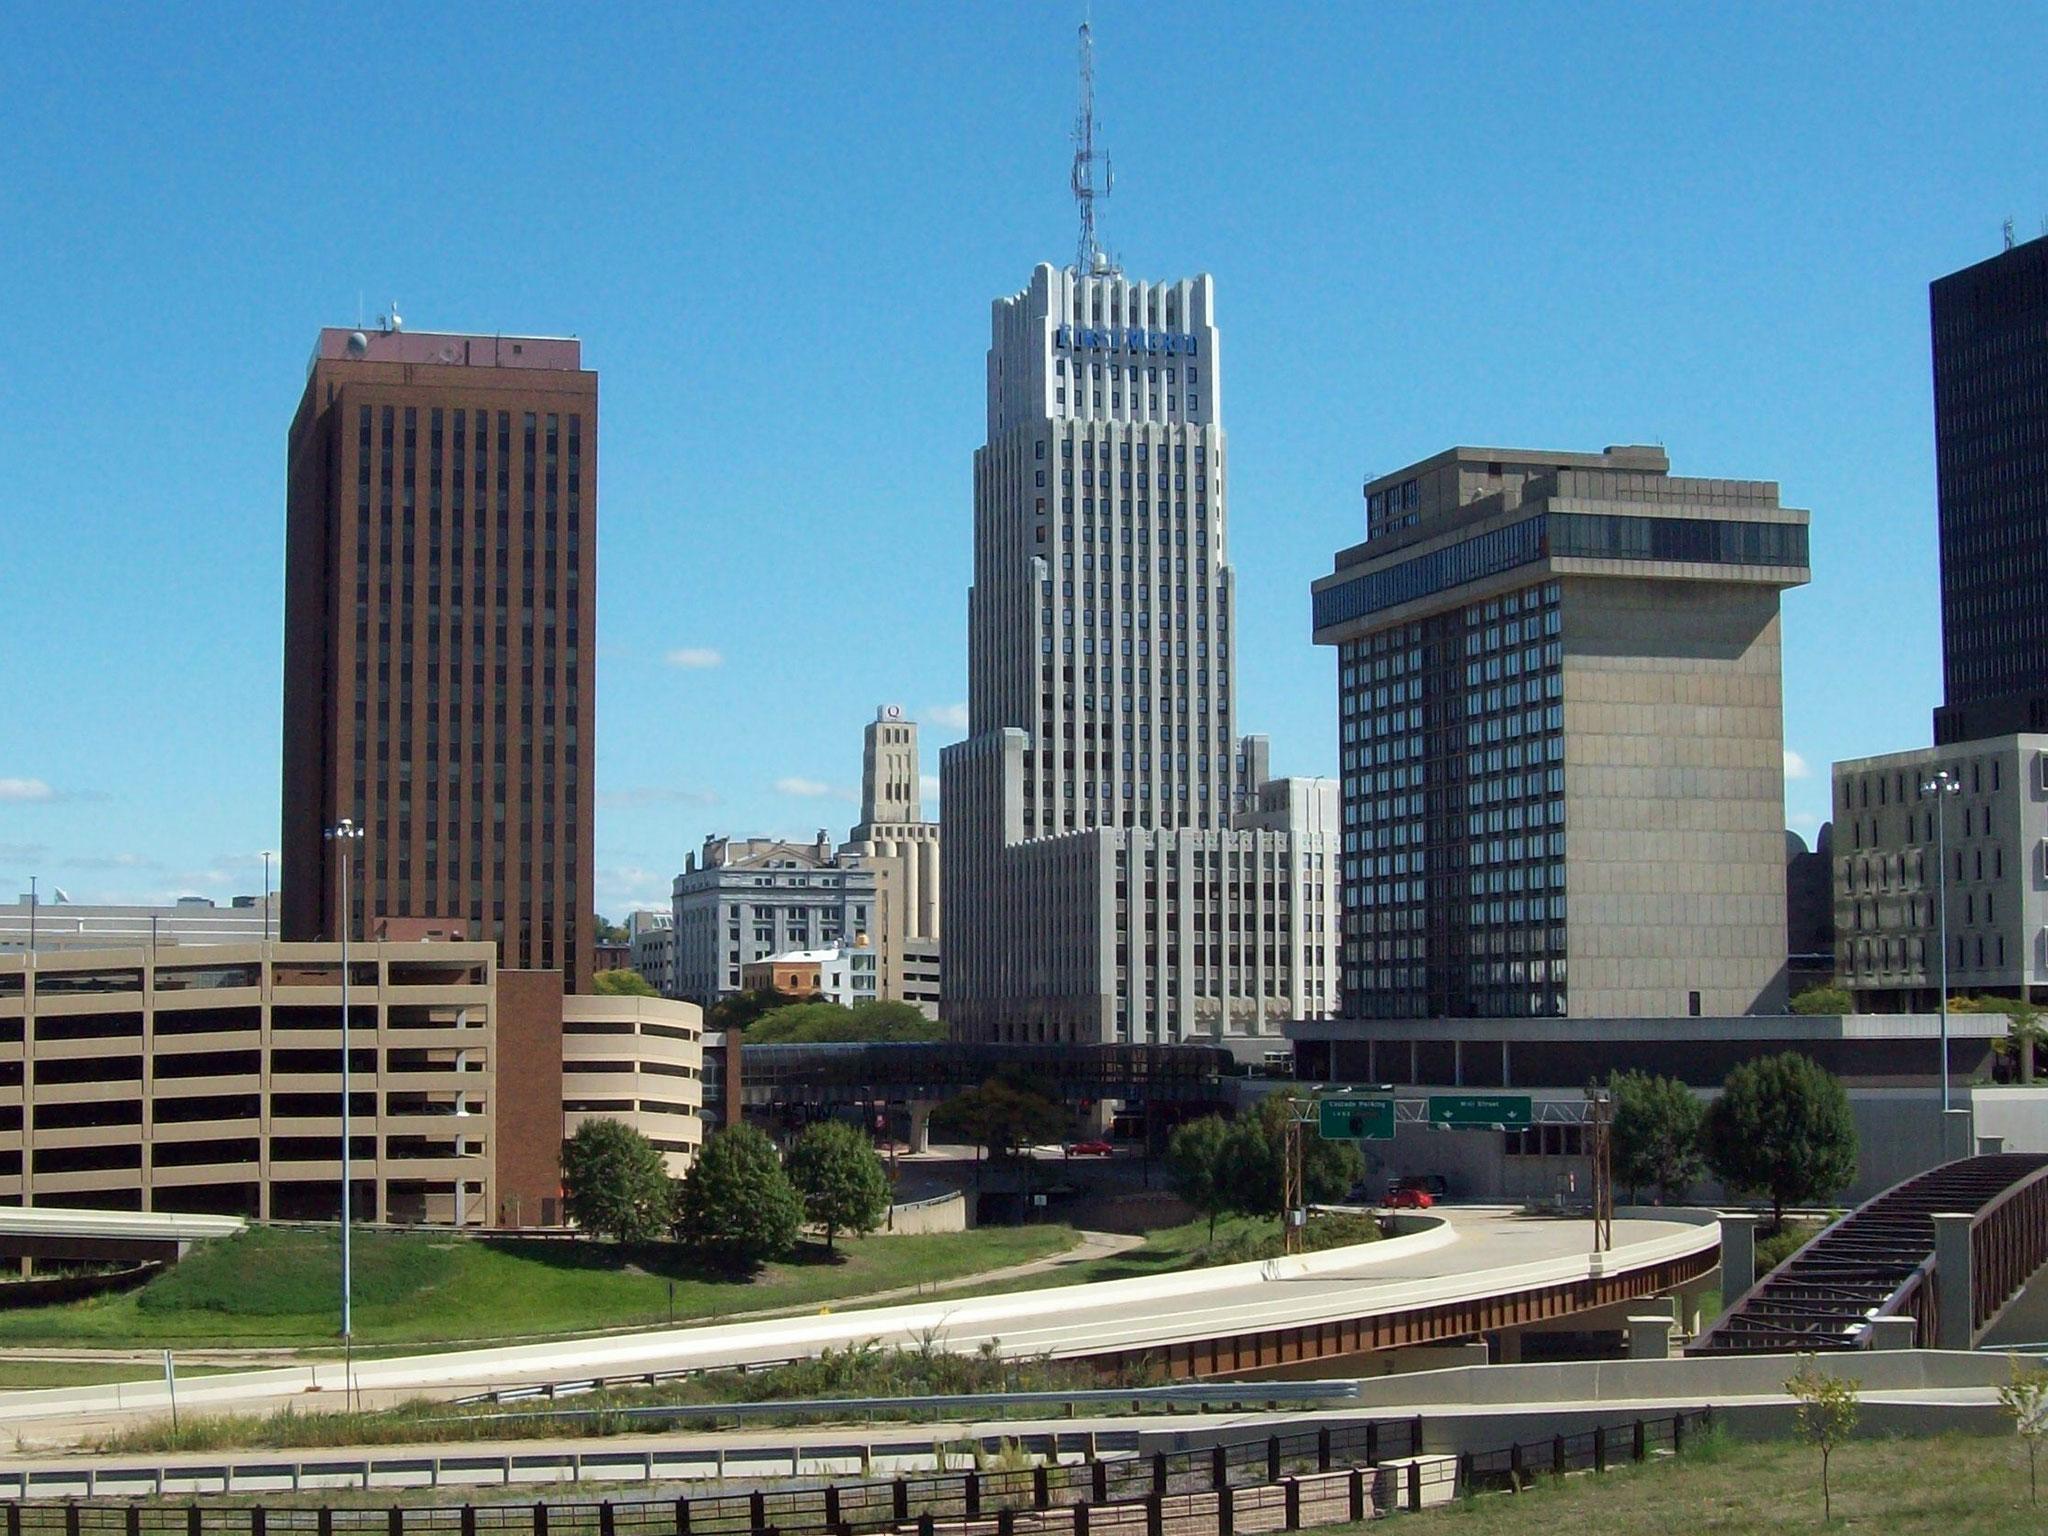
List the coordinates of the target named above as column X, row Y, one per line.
column 267, row 857
column 347, row 837
column 1941, row 785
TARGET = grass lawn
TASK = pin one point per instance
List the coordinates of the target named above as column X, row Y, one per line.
column 1952, row 1485
column 25, row 1375
column 1238, row 1239
column 277, row 1287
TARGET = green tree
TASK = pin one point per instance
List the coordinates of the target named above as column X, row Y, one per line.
column 608, row 932
column 1002, row 1116
column 1782, row 1128
column 2024, row 1034
column 1258, row 1153
column 1198, row 1166
column 1658, row 1124
column 1826, row 998
column 741, row 1009
column 823, row 1022
column 737, row 1202
column 614, row 1182
column 843, row 1185
column 622, row 984
column 1826, row 1417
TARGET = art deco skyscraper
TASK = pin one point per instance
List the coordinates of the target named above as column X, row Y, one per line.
column 440, row 618
column 1112, row 870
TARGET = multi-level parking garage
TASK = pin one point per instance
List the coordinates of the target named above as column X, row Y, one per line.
column 208, row 1079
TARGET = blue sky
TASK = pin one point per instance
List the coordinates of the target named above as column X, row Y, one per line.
column 778, row 230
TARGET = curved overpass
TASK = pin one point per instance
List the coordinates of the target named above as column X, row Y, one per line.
column 1471, row 1271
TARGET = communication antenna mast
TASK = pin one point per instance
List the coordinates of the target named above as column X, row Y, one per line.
column 1089, row 255
column 2008, row 233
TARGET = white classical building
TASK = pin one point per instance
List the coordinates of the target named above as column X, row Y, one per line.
column 743, row 899
column 1114, row 870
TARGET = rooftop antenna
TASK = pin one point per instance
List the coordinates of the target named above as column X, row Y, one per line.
column 2008, row 233
column 1089, row 255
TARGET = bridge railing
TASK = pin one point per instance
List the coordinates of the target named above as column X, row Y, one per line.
column 2008, row 1242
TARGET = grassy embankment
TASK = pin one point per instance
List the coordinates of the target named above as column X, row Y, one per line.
column 859, row 1372
column 276, row 1287
column 1951, row 1485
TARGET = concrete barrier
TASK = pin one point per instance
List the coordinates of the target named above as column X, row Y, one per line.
column 941, row 1213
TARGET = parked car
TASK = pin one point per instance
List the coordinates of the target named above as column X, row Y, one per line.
column 1431, row 1184
column 1091, row 1148
column 1408, row 1199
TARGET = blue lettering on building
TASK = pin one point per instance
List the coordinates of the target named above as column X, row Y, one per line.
column 1083, row 338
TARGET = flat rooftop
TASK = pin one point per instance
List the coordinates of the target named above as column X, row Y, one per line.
column 445, row 349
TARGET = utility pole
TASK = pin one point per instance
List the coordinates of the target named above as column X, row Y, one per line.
column 1600, row 1125
column 1301, row 1113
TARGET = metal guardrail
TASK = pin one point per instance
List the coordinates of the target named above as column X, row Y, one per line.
column 1198, row 1396
column 1384, row 1462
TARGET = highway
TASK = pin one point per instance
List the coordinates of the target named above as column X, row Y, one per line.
column 1467, row 1253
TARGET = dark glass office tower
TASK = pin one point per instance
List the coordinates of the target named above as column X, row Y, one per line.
column 1990, row 328
column 440, row 623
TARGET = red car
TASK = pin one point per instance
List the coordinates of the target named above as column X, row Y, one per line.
column 1089, row 1149
column 1408, row 1200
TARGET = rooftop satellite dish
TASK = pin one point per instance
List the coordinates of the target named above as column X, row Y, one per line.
column 358, row 344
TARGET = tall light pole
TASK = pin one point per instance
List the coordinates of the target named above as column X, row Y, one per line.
column 1941, row 785
column 346, row 837
column 267, row 857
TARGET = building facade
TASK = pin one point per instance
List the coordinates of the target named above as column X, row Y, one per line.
column 208, row 1079
column 639, row 1060
column 847, row 973
column 440, row 616
column 894, row 840
column 651, row 937
column 1559, row 687
column 1098, row 883
column 744, row 899
column 1888, row 881
column 1990, row 342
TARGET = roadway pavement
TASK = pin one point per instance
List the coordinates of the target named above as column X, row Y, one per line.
column 1471, row 1252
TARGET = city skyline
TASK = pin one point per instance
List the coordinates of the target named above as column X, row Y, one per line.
column 1770, row 318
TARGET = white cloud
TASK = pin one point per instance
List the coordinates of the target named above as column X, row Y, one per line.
column 695, row 658
column 929, row 783
column 1795, row 766
column 655, row 794
column 812, row 789
column 1803, row 821
column 25, row 790
column 953, row 716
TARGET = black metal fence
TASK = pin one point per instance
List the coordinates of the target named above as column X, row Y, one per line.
column 876, row 1505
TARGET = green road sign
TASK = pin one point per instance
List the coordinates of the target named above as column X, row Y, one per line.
column 1479, row 1111
column 1356, row 1119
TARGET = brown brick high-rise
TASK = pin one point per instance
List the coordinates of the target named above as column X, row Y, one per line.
column 440, row 624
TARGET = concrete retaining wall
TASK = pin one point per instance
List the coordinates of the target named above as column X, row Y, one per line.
column 942, row 1213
